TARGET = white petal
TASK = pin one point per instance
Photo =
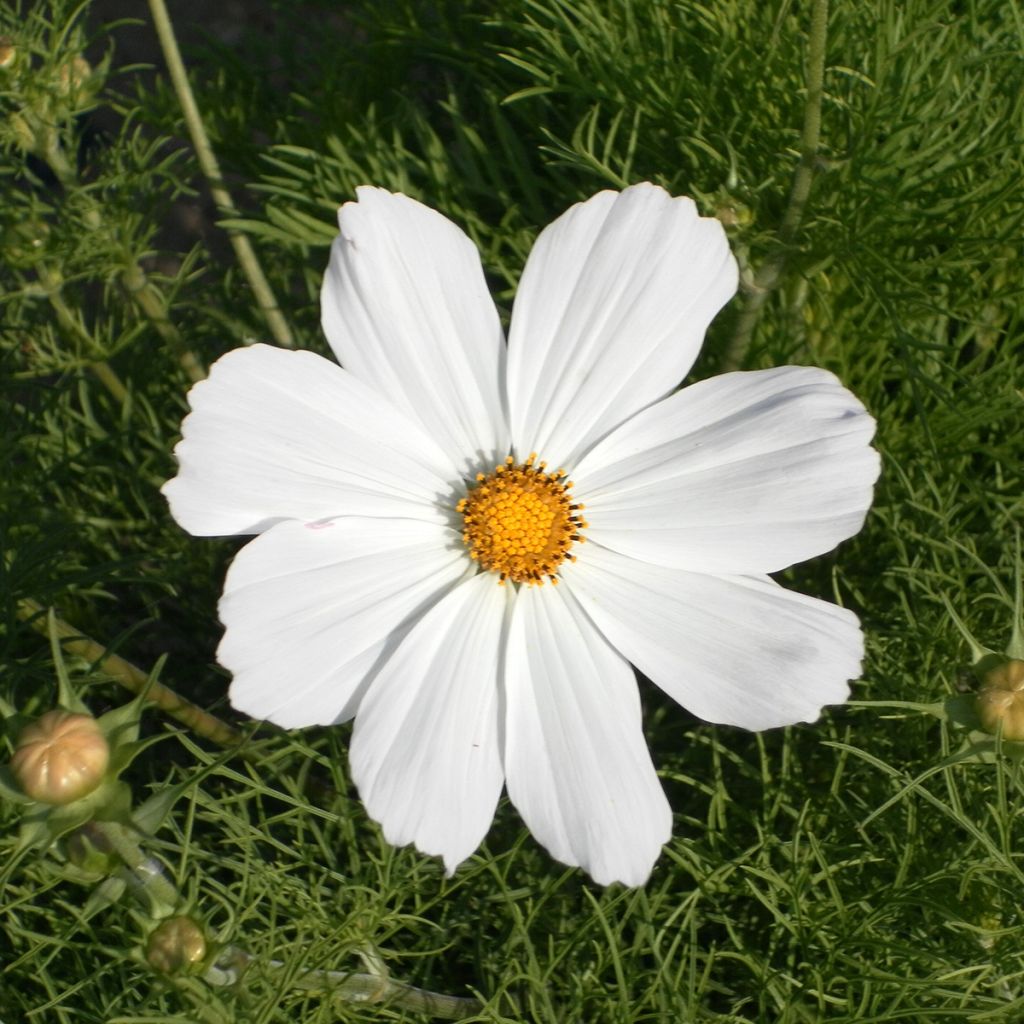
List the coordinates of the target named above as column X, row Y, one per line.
column 576, row 761
column 738, row 650
column 312, row 611
column 425, row 749
column 610, row 315
column 406, row 308
column 743, row 473
column 278, row 435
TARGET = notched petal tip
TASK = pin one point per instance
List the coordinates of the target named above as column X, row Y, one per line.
column 365, row 196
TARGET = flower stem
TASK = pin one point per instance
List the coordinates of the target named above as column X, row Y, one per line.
column 102, row 370
column 145, row 874
column 133, row 278
column 351, row 987
column 132, row 678
column 152, row 302
column 149, row 882
column 247, row 257
column 770, row 271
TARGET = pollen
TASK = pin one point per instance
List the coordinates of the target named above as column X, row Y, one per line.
column 520, row 521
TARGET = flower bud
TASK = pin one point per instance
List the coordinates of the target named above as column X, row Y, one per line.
column 61, row 757
column 734, row 214
column 83, row 853
column 22, row 243
column 7, row 51
column 175, row 945
column 71, row 75
column 22, row 132
column 1001, row 699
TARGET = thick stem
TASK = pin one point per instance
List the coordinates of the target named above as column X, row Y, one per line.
column 244, row 251
column 105, row 374
column 771, row 269
column 132, row 678
column 145, row 873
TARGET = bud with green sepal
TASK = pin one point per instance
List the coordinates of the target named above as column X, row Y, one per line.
column 88, row 860
column 998, row 706
column 66, row 765
column 1001, row 700
column 61, row 757
column 177, row 945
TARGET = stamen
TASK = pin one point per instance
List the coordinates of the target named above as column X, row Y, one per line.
column 519, row 521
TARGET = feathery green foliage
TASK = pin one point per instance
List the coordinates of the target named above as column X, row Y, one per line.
column 861, row 869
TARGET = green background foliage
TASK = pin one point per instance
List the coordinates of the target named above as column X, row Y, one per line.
column 847, row 871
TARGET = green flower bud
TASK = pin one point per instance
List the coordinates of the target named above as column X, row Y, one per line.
column 734, row 214
column 1001, row 699
column 61, row 757
column 22, row 133
column 176, row 944
column 88, row 857
column 23, row 242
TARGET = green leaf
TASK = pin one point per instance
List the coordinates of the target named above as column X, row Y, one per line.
column 9, row 788
column 105, row 895
column 121, row 724
column 66, row 695
column 150, row 815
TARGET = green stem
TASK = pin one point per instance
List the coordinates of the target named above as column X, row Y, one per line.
column 370, row 988
column 103, row 371
column 150, row 881
column 354, row 987
column 770, row 272
column 105, row 374
column 150, row 300
column 146, row 873
column 132, row 678
column 133, row 278
column 247, row 257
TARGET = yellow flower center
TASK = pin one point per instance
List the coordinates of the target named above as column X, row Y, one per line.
column 520, row 521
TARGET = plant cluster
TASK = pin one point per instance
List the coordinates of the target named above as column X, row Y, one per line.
column 866, row 868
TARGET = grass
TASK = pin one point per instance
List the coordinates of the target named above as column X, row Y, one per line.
column 854, row 870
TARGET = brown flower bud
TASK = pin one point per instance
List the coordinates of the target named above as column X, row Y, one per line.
column 60, row 757
column 175, row 945
column 72, row 75
column 1001, row 699
column 7, row 51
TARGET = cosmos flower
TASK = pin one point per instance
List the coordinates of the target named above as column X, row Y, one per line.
column 466, row 545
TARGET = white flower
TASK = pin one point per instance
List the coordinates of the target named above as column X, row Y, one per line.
column 361, row 596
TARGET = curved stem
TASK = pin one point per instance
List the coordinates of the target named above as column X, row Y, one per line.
column 150, row 881
column 771, row 269
column 372, row 988
column 244, row 251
